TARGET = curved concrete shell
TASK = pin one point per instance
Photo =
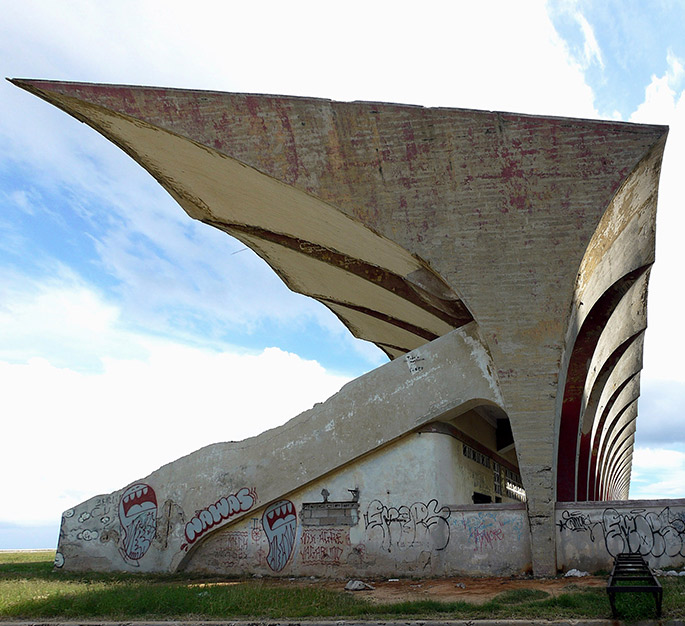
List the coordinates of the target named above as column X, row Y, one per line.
column 509, row 251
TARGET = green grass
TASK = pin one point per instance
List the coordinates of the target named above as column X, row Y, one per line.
column 30, row 589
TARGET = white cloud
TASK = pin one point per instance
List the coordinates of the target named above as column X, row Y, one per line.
column 501, row 56
column 661, row 99
column 657, row 473
column 663, row 104
column 61, row 320
column 72, row 434
column 660, row 472
column 591, row 50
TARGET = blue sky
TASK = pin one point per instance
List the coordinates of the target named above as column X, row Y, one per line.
column 131, row 335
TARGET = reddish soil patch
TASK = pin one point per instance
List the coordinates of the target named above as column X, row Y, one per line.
column 476, row 590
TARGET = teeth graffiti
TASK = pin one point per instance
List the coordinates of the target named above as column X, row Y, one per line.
column 138, row 519
column 280, row 523
column 138, row 498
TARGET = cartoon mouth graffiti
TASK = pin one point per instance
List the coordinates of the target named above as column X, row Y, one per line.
column 280, row 522
column 138, row 518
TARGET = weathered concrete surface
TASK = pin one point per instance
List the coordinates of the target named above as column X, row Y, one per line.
column 592, row 533
column 408, row 222
column 155, row 523
column 406, row 523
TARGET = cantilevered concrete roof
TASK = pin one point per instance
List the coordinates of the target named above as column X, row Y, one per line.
column 409, row 222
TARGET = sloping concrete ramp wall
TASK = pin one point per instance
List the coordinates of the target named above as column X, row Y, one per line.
column 155, row 523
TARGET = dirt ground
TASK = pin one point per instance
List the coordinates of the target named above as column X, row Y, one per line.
column 476, row 590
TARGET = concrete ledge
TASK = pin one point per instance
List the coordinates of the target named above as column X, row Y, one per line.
column 489, row 506
column 620, row 504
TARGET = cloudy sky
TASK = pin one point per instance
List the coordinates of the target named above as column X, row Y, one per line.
column 131, row 335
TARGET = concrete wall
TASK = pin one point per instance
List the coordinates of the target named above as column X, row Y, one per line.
column 590, row 534
column 404, row 523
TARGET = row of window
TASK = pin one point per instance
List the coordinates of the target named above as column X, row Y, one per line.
column 502, row 480
column 476, row 456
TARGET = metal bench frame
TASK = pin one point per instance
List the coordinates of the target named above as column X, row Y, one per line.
column 632, row 568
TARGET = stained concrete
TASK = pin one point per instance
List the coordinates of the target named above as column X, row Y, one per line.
column 409, row 222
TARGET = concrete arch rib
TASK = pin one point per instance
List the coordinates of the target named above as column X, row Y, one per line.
column 379, row 290
column 621, row 248
column 625, row 375
column 619, row 446
column 621, row 449
column 623, row 329
column 623, row 468
column 625, row 420
column 587, row 342
column 623, row 485
column 589, row 417
column 614, row 420
column 627, row 430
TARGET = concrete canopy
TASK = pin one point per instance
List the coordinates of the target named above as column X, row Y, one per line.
column 410, row 222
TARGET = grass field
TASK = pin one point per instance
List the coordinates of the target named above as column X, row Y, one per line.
column 30, row 589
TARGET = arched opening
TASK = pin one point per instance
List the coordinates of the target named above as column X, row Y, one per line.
column 486, row 465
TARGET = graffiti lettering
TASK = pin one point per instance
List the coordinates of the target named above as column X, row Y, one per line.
column 646, row 533
column 420, row 524
column 638, row 531
column 103, row 500
column 321, row 555
column 484, row 529
column 485, row 538
column 220, row 511
column 280, row 523
column 235, row 546
column 576, row 522
column 323, row 547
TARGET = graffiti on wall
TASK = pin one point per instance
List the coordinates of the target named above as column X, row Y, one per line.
column 577, row 522
column 90, row 524
column 223, row 509
column 323, row 547
column 234, row 546
column 422, row 525
column 638, row 531
column 138, row 520
column 486, row 529
column 415, row 363
column 280, row 524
